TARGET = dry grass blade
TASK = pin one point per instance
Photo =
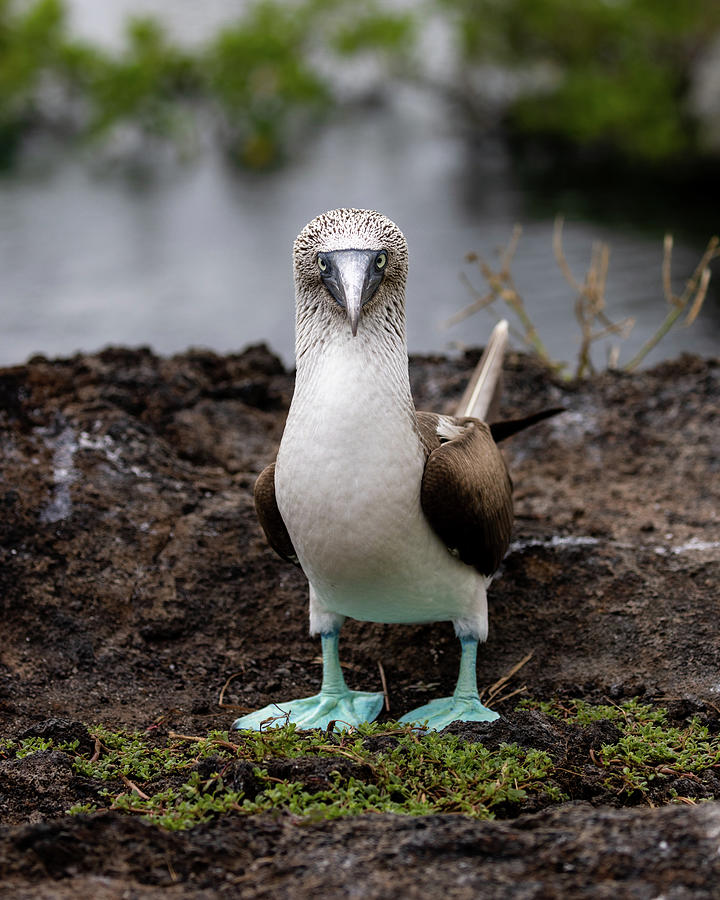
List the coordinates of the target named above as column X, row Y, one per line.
column 481, row 302
column 697, row 303
column 508, row 253
column 196, row 739
column 667, row 269
column 384, row 686
column 560, row 257
column 134, row 788
column 613, row 357
column 233, row 706
column 590, row 302
column 489, row 693
column 521, row 690
column 502, row 288
column 622, row 329
column 691, row 299
column 98, row 750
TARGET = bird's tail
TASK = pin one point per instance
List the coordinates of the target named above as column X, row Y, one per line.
column 483, row 390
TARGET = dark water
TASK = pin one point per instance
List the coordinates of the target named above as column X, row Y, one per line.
column 199, row 255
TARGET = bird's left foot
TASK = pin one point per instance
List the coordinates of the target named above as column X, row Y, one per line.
column 437, row 714
column 346, row 708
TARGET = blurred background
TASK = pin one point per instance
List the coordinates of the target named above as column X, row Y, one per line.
column 158, row 157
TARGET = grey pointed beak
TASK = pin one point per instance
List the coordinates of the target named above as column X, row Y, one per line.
column 352, row 277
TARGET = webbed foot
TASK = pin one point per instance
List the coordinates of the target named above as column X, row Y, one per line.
column 335, row 702
column 464, row 705
column 346, row 708
column 441, row 712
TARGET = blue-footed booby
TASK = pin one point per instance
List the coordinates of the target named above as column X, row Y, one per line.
column 393, row 515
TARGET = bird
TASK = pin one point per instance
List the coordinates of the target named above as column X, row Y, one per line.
column 394, row 515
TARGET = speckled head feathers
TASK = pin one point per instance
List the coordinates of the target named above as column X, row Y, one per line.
column 319, row 317
column 351, row 229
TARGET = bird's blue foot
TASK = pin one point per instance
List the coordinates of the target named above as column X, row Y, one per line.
column 464, row 705
column 335, row 702
column 348, row 708
column 437, row 714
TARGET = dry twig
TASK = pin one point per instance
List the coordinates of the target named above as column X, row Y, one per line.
column 133, row 787
column 384, row 686
column 98, row 750
column 691, row 299
column 502, row 287
column 590, row 302
column 234, row 706
column 491, row 692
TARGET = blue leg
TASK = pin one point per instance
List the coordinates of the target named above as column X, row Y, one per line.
column 334, row 702
column 464, row 705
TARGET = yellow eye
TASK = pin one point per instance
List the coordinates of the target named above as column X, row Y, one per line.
column 322, row 265
column 381, row 260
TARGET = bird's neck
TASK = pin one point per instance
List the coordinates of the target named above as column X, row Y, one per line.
column 367, row 373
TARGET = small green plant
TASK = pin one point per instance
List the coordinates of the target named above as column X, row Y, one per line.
column 82, row 809
column 28, row 746
column 650, row 748
column 414, row 774
column 385, row 767
column 183, row 807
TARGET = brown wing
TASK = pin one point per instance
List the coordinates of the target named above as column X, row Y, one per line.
column 427, row 423
column 467, row 493
column 269, row 515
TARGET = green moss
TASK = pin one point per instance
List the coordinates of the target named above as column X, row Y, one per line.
column 380, row 768
column 417, row 775
column 650, row 748
column 28, row 746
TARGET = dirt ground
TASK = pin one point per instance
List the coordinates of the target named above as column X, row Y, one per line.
column 135, row 582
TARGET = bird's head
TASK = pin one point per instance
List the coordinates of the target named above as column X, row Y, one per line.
column 349, row 262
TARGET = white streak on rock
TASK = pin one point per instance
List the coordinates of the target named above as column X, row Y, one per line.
column 111, row 451
column 64, row 474
column 689, row 546
column 555, row 541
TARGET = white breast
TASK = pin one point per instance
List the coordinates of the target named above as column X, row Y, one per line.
column 348, row 481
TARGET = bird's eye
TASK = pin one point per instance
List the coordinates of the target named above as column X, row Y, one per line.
column 322, row 265
column 381, row 261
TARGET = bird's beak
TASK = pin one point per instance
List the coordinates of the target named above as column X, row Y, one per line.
column 352, row 279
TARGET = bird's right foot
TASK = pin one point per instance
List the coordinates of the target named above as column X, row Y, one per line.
column 438, row 714
column 348, row 708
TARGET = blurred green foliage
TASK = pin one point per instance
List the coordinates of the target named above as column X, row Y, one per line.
column 265, row 77
column 259, row 74
column 142, row 84
column 616, row 72
column 30, row 46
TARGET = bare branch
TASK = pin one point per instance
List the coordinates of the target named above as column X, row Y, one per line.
column 692, row 296
column 699, row 298
column 590, row 300
column 560, row 254
column 666, row 270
